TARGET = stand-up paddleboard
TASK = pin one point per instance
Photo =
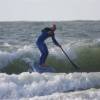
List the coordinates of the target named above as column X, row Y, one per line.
column 36, row 68
column 41, row 69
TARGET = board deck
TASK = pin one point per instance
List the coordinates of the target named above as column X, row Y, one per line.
column 41, row 69
column 36, row 68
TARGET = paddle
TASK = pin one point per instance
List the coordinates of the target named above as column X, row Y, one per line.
column 74, row 65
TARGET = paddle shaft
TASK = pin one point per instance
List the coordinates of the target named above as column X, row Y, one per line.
column 74, row 65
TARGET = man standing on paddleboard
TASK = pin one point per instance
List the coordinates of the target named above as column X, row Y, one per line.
column 46, row 33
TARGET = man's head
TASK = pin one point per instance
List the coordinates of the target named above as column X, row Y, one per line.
column 53, row 28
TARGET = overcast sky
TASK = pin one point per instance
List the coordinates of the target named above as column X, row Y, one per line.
column 44, row 10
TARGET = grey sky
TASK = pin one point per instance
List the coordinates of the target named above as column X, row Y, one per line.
column 36, row 10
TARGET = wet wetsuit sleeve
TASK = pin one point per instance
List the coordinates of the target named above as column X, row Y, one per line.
column 55, row 41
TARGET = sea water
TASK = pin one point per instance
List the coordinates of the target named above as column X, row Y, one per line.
column 79, row 39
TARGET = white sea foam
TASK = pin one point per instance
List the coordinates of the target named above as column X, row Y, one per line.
column 23, row 52
column 35, row 85
column 6, row 45
column 91, row 94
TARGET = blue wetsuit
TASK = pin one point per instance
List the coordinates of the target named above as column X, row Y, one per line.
column 42, row 46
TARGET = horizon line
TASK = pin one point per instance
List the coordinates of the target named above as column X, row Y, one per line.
column 48, row 20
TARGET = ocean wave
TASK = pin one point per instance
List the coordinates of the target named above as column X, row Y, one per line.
column 83, row 54
column 26, row 85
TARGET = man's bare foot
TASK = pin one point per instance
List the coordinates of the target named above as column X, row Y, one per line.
column 44, row 65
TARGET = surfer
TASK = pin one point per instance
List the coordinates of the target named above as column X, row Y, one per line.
column 46, row 33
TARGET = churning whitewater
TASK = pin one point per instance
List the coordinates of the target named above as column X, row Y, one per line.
column 48, row 85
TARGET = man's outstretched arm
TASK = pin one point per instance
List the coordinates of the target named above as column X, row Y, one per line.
column 55, row 41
